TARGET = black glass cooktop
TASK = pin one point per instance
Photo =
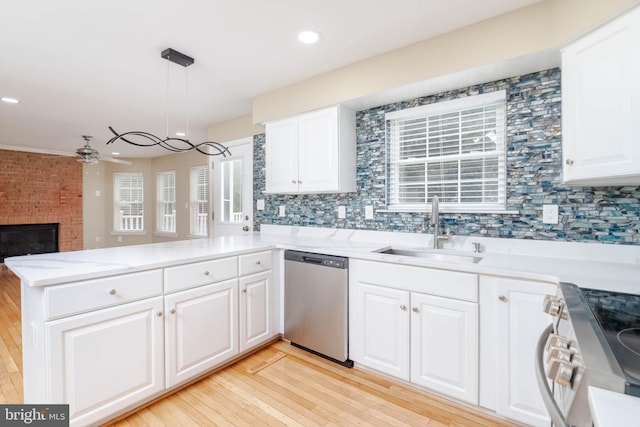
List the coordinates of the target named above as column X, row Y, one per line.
column 618, row 315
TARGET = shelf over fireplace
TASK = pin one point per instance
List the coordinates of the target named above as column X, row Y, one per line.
column 28, row 239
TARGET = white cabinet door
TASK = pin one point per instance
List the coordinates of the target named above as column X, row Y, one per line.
column 255, row 314
column 444, row 346
column 202, row 329
column 312, row 153
column 318, row 151
column 281, row 156
column 519, row 321
column 104, row 361
column 379, row 323
column 601, row 105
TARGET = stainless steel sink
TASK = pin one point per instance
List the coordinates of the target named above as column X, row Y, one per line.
column 433, row 255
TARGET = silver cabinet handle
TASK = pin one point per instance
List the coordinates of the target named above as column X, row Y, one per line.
column 569, row 162
column 403, row 307
column 159, row 314
column 502, row 298
column 206, row 273
column 112, row 292
column 172, row 311
column 244, row 291
column 299, row 182
column 258, row 262
column 415, row 310
column 293, row 181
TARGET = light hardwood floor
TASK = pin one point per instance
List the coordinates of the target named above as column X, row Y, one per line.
column 278, row 385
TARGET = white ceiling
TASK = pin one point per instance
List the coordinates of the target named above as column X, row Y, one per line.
column 79, row 66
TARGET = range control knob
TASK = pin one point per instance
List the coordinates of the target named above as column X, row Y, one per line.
column 563, row 354
column 552, row 305
column 556, row 341
column 560, row 372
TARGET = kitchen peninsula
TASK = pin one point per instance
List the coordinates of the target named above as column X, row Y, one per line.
column 133, row 317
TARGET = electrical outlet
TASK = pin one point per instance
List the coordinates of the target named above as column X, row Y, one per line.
column 368, row 212
column 550, row 214
column 260, row 204
column 281, row 210
column 342, row 212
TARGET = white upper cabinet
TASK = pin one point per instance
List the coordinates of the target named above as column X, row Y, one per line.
column 601, row 105
column 312, row 152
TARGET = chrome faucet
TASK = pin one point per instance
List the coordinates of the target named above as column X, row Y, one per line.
column 435, row 220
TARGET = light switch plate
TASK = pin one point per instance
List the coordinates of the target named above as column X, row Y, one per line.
column 368, row 212
column 550, row 214
column 281, row 210
column 260, row 204
column 342, row 212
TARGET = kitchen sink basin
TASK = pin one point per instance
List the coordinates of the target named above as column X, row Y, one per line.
column 432, row 255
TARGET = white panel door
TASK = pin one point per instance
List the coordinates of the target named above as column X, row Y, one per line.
column 281, row 156
column 318, row 151
column 202, row 329
column 519, row 320
column 232, row 190
column 255, row 313
column 379, row 323
column 106, row 360
column 444, row 346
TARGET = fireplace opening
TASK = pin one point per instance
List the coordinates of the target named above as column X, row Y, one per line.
column 28, row 239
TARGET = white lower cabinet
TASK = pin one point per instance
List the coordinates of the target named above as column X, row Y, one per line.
column 512, row 319
column 444, row 346
column 201, row 329
column 255, row 309
column 107, row 360
column 429, row 340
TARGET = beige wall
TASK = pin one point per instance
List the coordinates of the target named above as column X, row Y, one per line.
column 98, row 209
column 549, row 24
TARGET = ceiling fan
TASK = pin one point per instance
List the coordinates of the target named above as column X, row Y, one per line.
column 90, row 156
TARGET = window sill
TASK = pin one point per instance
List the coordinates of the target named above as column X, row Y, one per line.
column 128, row 233
column 165, row 234
column 451, row 211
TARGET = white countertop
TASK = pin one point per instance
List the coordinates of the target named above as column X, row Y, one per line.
column 591, row 265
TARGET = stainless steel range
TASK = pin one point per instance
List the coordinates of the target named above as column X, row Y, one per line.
column 594, row 341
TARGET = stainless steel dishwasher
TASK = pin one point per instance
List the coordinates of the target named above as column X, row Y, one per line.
column 316, row 304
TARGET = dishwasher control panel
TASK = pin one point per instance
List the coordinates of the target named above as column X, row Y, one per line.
column 318, row 259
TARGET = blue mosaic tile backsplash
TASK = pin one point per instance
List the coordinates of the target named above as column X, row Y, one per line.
column 534, row 165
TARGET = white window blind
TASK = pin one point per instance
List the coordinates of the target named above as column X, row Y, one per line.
column 128, row 202
column 199, row 201
column 166, row 202
column 454, row 150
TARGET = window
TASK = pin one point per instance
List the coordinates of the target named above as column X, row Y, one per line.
column 128, row 194
column 199, row 200
column 454, row 150
column 166, row 202
column 231, row 190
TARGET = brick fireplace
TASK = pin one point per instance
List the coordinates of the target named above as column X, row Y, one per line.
column 40, row 189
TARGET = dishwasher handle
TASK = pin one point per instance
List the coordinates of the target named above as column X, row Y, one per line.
column 312, row 260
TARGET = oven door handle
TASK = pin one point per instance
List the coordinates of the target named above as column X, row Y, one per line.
column 547, row 396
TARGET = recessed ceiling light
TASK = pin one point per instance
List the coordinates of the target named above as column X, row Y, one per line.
column 309, row 37
column 181, row 134
column 9, row 100
column 115, row 153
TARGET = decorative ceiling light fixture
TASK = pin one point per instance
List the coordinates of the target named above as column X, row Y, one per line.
column 86, row 154
column 178, row 145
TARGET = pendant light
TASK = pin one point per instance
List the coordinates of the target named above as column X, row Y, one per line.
column 177, row 145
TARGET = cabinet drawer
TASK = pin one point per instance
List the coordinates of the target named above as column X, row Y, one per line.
column 88, row 295
column 199, row 273
column 254, row 263
column 443, row 283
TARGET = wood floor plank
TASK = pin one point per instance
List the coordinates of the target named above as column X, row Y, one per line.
column 289, row 387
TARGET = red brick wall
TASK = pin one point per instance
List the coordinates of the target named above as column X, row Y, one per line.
column 41, row 188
